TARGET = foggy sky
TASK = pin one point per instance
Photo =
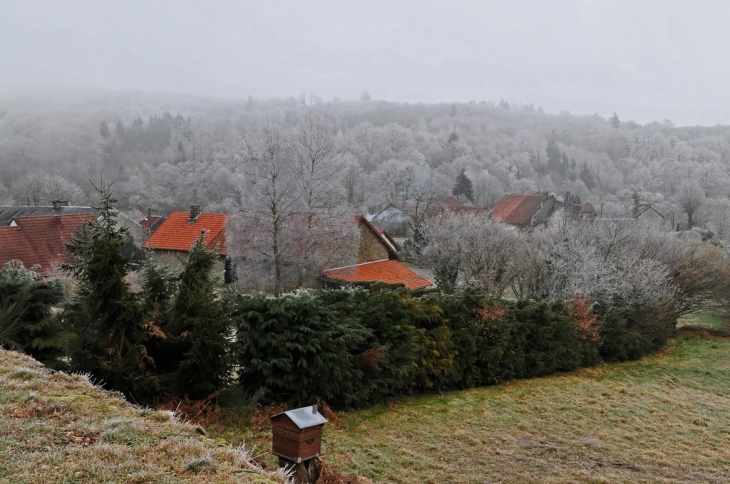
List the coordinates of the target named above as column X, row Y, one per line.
column 645, row 59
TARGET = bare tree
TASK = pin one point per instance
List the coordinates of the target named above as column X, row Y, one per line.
column 41, row 189
column 273, row 195
column 690, row 198
column 469, row 247
column 318, row 170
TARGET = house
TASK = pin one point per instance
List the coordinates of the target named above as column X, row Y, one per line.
column 525, row 210
column 39, row 241
column 648, row 215
column 179, row 231
column 10, row 212
column 397, row 218
column 61, row 207
column 307, row 243
column 386, row 271
column 333, row 237
column 584, row 211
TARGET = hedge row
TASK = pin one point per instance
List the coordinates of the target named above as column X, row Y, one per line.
column 361, row 346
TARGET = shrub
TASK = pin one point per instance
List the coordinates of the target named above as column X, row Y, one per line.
column 27, row 322
column 295, row 349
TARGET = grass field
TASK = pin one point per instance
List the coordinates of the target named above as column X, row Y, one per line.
column 665, row 418
column 58, row 428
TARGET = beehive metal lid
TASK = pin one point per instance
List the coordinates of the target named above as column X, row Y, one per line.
column 304, row 417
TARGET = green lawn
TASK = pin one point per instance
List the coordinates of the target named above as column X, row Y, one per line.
column 705, row 319
column 665, row 418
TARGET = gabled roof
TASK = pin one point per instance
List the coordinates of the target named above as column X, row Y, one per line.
column 39, row 240
column 304, row 417
column 177, row 232
column 10, row 212
column 518, row 209
column 387, row 271
column 645, row 208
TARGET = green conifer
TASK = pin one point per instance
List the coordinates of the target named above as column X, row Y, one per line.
column 463, row 187
column 199, row 330
column 106, row 315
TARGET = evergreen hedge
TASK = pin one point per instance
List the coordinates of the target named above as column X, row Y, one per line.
column 359, row 346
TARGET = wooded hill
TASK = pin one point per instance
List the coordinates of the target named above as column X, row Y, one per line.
column 167, row 152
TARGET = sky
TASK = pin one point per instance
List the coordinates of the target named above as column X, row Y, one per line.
column 646, row 60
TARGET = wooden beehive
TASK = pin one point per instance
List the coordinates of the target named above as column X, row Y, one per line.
column 297, row 434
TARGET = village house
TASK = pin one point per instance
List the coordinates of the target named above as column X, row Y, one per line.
column 525, row 210
column 175, row 236
column 38, row 242
column 308, row 244
column 584, row 211
column 62, row 207
column 336, row 241
column 648, row 215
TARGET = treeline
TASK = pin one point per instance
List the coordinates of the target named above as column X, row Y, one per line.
column 166, row 161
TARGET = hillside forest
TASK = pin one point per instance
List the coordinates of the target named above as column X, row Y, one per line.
column 166, row 152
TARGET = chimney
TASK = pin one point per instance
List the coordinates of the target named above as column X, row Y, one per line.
column 194, row 212
column 57, row 222
column 57, row 204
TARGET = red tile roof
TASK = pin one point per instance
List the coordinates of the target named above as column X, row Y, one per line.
column 39, row 241
column 518, row 209
column 387, row 271
column 178, row 233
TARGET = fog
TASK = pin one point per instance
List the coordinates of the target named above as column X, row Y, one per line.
column 647, row 60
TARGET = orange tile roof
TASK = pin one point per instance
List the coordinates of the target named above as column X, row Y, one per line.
column 40, row 240
column 387, row 271
column 518, row 209
column 178, row 233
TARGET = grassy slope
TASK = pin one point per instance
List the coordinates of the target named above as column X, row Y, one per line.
column 60, row 428
column 665, row 418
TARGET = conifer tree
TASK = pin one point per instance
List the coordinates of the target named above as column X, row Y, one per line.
column 106, row 315
column 199, row 330
column 26, row 320
column 463, row 187
column 158, row 289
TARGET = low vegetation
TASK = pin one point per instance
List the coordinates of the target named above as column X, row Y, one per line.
column 59, row 428
column 664, row 418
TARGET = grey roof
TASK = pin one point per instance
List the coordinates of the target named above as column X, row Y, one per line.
column 304, row 417
column 9, row 212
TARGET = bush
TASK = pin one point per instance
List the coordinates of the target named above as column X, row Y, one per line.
column 360, row 346
column 295, row 349
column 27, row 322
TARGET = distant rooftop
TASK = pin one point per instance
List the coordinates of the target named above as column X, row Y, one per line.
column 10, row 212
